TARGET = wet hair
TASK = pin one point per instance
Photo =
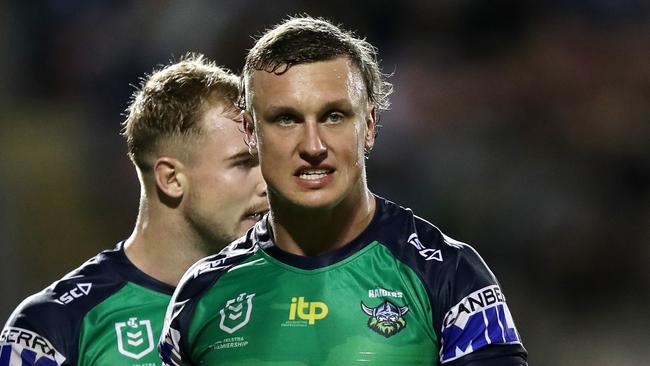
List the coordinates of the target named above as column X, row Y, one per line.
column 300, row 40
column 170, row 101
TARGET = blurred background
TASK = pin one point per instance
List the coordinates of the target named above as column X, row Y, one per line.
column 519, row 127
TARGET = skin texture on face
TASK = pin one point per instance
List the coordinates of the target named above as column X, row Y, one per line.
column 226, row 192
column 312, row 125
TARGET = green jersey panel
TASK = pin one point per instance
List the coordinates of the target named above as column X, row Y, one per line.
column 124, row 328
column 322, row 318
column 401, row 293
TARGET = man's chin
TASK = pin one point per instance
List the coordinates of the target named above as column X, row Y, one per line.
column 316, row 200
column 294, row 199
column 246, row 224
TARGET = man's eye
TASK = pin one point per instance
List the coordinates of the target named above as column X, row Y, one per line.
column 285, row 120
column 334, row 117
column 249, row 162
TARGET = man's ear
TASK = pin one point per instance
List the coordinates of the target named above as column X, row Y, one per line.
column 249, row 130
column 170, row 180
column 371, row 125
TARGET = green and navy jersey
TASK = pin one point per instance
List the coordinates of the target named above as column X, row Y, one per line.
column 106, row 312
column 401, row 293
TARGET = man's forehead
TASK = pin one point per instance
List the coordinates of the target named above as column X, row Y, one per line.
column 216, row 106
column 340, row 66
column 336, row 75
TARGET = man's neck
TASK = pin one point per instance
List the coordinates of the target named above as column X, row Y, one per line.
column 161, row 248
column 313, row 232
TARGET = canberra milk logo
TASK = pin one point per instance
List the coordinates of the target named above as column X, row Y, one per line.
column 236, row 313
column 479, row 319
column 386, row 319
column 134, row 338
column 23, row 347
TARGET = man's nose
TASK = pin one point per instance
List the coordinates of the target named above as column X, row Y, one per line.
column 260, row 188
column 312, row 147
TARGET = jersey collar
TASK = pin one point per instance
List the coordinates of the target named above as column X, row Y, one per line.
column 264, row 238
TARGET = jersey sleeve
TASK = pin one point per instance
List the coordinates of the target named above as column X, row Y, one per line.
column 33, row 336
column 174, row 346
column 173, row 339
column 471, row 315
column 169, row 346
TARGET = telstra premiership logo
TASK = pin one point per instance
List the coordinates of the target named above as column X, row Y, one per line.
column 310, row 311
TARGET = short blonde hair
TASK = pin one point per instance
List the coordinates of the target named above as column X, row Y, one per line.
column 169, row 102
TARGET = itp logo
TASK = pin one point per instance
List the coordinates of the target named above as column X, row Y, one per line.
column 316, row 310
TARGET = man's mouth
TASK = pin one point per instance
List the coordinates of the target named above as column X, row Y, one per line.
column 256, row 214
column 314, row 173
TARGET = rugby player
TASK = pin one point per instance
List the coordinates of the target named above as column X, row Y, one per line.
column 349, row 277
column 200, row 189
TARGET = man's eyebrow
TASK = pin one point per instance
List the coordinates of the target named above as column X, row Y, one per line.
column 343, row 104
column 278, row 110
column 241, row 154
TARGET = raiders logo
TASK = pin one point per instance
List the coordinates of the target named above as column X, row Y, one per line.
column 386, row 319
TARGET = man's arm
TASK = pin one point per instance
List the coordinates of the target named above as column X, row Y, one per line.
column 473, row 319
column 494, row 355
column 31, row 336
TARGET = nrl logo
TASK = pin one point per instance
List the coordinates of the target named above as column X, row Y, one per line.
column 236, row 313
column 386, row 319
column 136, row 340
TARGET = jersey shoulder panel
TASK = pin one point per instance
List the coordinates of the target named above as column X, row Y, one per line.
column 449, row 269
column 196, row 281
column 46, row 325
column 469, row 307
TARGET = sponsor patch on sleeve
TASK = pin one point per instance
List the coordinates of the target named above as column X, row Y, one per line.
column 479, row 319
column 20, row 347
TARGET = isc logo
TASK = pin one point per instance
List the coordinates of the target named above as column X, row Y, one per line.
column 315, row 310
column 426, row 253
column 79, row 291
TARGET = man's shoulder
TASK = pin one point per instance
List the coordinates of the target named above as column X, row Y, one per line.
column 436, row 258
column 427, row 235
column 469, row 309
column 80, row 285
column 200, row 276
column 196, row 282
column 410, row 236
column 47, row 322
column 40, row 326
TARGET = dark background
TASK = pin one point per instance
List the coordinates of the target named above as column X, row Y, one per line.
column 520, row 128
